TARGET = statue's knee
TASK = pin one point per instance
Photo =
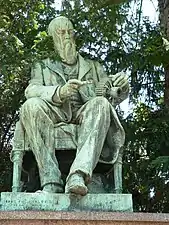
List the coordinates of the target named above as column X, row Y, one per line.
column 101, row 101
column 32, row 105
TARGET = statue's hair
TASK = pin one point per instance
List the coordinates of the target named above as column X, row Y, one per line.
column 53, row 25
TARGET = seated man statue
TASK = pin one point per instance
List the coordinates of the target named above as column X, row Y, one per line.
column 72, row 91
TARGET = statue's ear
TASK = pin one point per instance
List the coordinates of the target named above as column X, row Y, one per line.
column 75, row 35
column 72, row 22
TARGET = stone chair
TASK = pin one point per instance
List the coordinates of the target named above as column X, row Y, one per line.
column 65, row 143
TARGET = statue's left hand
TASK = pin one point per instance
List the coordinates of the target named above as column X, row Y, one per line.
column 120, row 80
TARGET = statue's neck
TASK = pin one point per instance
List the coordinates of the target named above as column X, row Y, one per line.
column 65, row 63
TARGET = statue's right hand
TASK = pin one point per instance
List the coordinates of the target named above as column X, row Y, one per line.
column 70, row 88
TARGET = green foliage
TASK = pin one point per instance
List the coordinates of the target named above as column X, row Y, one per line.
column 146, row 159
column 22, row 24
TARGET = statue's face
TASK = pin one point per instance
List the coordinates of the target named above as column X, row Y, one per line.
column 64, row 42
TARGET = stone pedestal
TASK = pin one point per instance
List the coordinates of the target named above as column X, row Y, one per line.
column 81, row 218
column 63, row 202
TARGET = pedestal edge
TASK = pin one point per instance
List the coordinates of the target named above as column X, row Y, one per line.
column 84, row 216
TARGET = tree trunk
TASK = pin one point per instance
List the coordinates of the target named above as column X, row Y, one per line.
column 164, row 22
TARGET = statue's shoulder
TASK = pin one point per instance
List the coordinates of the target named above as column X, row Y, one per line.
column 47, row 62
column 39, row 63
column 90, row 62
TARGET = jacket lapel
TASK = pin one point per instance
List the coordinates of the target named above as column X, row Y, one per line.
column 84, row 67
column 56, row 67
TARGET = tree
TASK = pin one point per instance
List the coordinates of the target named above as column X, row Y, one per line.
column 22, row 26
column 164, row 9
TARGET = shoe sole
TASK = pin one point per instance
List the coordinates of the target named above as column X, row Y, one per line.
column 78, row 190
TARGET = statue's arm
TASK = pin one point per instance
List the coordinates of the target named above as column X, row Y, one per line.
column 124, row 95
column 120, row 80
column 123, row 83
column 36, row 87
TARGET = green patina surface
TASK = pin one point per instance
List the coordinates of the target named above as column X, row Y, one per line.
column 64, row 202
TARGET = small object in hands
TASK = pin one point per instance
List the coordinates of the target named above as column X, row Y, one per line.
column 71, row 88
column 103, row 86
column 79, row 82
column 106, row 88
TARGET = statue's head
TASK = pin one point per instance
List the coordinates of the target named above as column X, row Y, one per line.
column 62, row 31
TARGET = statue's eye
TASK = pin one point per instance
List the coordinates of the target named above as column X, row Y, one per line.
column 61, row 31
column 71, row 31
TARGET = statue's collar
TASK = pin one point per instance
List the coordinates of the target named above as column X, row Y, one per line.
column 56, row 66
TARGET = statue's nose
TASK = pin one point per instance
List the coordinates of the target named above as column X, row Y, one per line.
column 67, row 35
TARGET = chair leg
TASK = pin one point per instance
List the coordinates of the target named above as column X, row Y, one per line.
column 118, row 177
column 17, row 158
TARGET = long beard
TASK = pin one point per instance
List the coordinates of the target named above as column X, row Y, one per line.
column 67, row 51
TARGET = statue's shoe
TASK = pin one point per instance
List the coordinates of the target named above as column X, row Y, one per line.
column 76, row 185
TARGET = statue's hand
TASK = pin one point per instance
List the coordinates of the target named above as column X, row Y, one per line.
column 120, row 80
column 70, row 88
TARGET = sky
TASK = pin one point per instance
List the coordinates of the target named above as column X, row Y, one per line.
column 150, row 9
column 58, row 3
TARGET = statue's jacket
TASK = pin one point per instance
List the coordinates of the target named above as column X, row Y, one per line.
column 48, row 75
